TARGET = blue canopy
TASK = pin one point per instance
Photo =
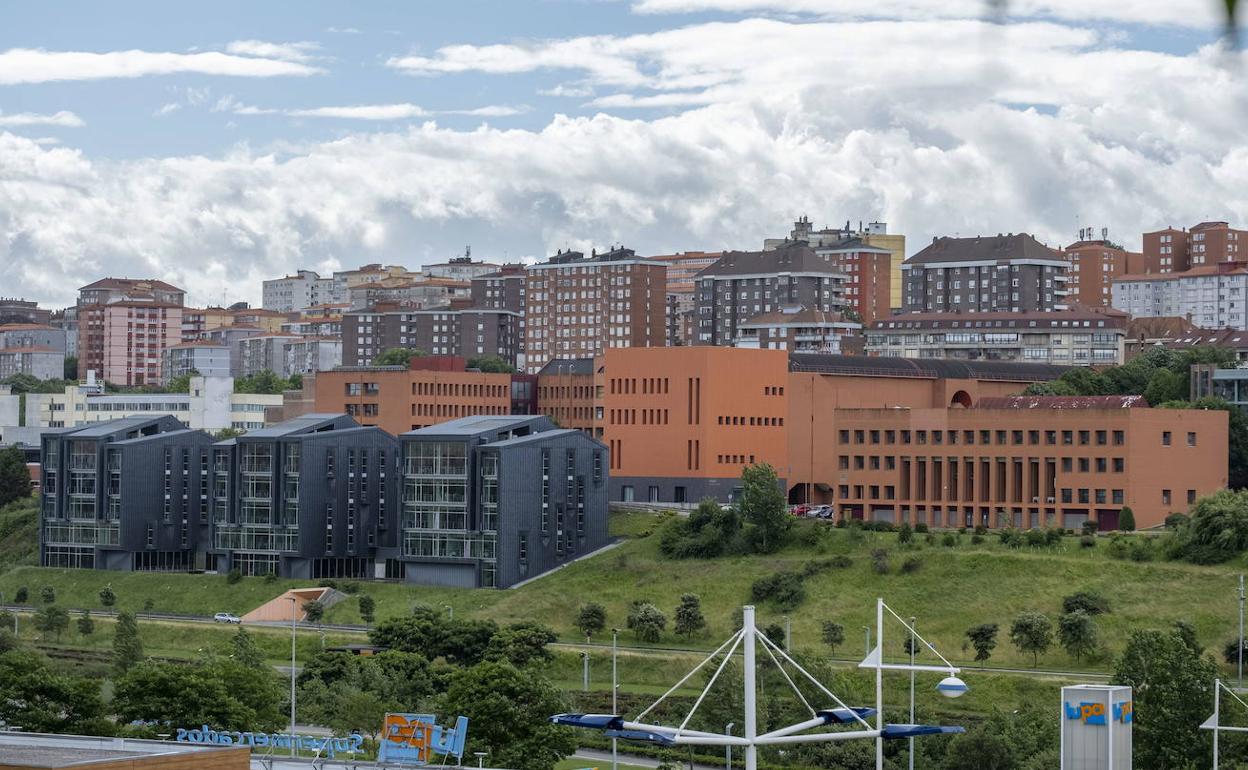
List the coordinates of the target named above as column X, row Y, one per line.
column 845, row 716
column 911, row 731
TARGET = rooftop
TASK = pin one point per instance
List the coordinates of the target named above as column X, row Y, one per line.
column 793, row 257
column 929, row 368
column 476, row 425
column 1221, row 268
column 130, row 283
column 1062, row 402
column 305, row 424
column 568, row 366
column 798, row 317
column 985, row 248
column 1003, row 319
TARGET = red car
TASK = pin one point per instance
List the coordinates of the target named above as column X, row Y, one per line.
column 800, row 511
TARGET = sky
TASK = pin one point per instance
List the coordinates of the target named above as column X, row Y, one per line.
column 214, row 145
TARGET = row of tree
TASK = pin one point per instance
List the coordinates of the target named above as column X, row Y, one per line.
column 403, row 357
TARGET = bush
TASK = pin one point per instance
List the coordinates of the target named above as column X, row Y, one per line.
column 1176, row 520
column 270, row 577
column 233, row 576
column 949, row 540
column 905, row 534
column 1089, row 601
column 1036, row 538
column 1090, row 527
column 1054, row 535
column 1142, row 550
column 921, row 528
column 1087, row 541
column 879, row 526
column 976, row 539
column 911, row 565
column 1230, row 653
column 879, row 561
column 961, row 530
column 980, row 529
column 785, row 589
column 930, row 538
column 1126, row 519
column 1217, row 530
column 22, row 595
column 815, row 566
column 1010, row 537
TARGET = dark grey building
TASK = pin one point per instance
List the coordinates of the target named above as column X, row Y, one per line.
column 308, row 498
column 502, row 290
column 469, row 332
column 494, row 500
column 1007, row 273
column 126, row 494
column 745, row 284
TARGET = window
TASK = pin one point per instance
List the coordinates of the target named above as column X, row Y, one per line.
column 1083, row 465
column 1118, row 465
column 1067, row 464
column 1165, row 438
column 1191, row 438
column 1120, row 438
column 1068, row 437
column 1191, row 496
column 1165, row 497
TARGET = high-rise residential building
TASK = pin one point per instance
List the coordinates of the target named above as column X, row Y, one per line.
column 1210, row 296
column 459, row 268
column 799, row 330
column 1094, row 264
column 1173, row 250
column 294, row 292
column 20, row 311
column 345, row 280
column 415, row 293
column 471, row 332
column 1082, row 337
column 34, row 349
column 681, row 311
column 491, row 501
column 124, row 325
column 287, row 354
column 578, row 306
column 503, row 290
column 1008, row 273
column 66, row 320
column 310, row 498
column 126, row 494
column 872, row 234
column 197, row 322
column 210, row 359
column 746, row 285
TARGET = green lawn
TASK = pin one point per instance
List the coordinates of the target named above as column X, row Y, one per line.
column 953, row 589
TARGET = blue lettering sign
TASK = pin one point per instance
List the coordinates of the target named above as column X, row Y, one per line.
column 1094, row 713
column 418, row 739
column 328, row 747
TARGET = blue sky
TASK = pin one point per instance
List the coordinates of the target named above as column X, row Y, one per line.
column 217, row 144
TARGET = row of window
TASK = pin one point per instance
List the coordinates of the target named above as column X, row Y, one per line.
column 986, row 437
column 1068, row 464
column 753, row 421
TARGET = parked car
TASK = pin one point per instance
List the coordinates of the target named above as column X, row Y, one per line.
column 821, row 512
column 225, row 617
column 800, row 511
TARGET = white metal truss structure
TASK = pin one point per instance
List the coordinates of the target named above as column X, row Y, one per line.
column 1214, row 722
column 750, row 639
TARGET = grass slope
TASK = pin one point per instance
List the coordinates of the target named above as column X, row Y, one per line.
column 953, row 589
column 19, row 533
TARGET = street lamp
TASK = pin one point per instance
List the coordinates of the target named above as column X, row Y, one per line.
column 294, row 616
column 728, row 748
column 615, row 635
column 585, row 675
column 910, row 753
column 480, row 755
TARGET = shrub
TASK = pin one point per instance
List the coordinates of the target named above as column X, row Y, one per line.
column 930, row 538
column 949, row 540
column 961, row 530
column 1087, row 541
column 921, row 528
column 1054, row 535
column 270, row 577
column 233, row 576
column 815, row 566
column 976, row 539
column 980, row 529
column 1089, row 601
column 1036, row 538
column 879, row 561
column 840, row 523
column 1010, row 537
column 1126, row 519
column 911, row 565
column 22, row 595
column 785, row 589
column 1176, row 520
column 1090, row 527
column 1142, row 550
column 1230, row 653
column 1217, row 530
column 905, row 534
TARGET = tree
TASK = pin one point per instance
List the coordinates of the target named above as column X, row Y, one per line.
column 591, row 618
column 127, row 646
column 1217, row 530
column 397, row 357
column 14, row 475
column 108, row 597
column 263, row 382
column 219, row 693
column 689, row 619
column 1026, row 739
column 1076, row 631
column 70, row 371
column 1126, row 519
column 648, row 623
column 358, row 710
column 42, row 699
column 833, row 635
column 181, row 383
column 228, row 433
column 1031, row 632
column 313, row 611
column 245, row 652
column 508, row 708
column 905, row 535
column 496, row 364
column 368, row 608
column 763, row 508
column 51, row 619
column 775, row 632
column 984, row 639
column 86, row 626
column 1170, row 681
column 47, row 595
column 521, row 644
column 710, row 530
column 1164, row 386
column 1088, row 601
column 21, row 595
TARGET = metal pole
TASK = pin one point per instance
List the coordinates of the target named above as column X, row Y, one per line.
column 1240, row 652
column 1217, row 692
column 911, row 740
column 615, row 635
column 585, row 675
column 788, row 633
column 294, row 615
column 751, row 723
column 866, row 645
column 728, row 748
column 879, row 684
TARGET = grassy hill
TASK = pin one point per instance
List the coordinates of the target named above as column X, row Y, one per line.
column 19, row 533
column 952, row 589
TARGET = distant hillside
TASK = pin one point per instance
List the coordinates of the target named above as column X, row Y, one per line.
column 19, row 534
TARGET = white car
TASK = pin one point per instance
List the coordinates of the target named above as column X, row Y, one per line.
column 225, row 617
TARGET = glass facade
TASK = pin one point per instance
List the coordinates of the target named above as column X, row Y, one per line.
column 435, row 504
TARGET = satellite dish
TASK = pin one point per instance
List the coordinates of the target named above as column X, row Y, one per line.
column 951, row 687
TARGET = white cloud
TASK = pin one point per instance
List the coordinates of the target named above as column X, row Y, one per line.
column 343, row 30
column 167, row 108
column 567, row 90
column 1185, row 13
column 296, row 52
column 63, row 118
column 27, row 65
column 400, row 111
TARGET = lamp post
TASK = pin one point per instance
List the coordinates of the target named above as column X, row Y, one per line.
column 788, row 633
column 1240, row 652
column 615, row 635
column 480, row 755
column 294, row 616
column 910, row 753
column 728, row 749
column 585, row 673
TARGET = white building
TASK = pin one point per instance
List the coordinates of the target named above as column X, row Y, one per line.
column 1211, row 296
column 209, row 359
column 211, row 405
column 32, row 349
column 296, row 292
column 287, row 354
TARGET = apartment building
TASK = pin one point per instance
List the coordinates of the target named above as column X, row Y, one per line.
column 198, row 321
column 459, row 268
column 1173, row 250
column 14, row 310
column 270, row 321
column 1211, row 296
column 874, row 235
column 503, row 290
column 801, row 331
column 124, row 325
column 310, row 498
column 345, row 280
column 1082, row 337
column 124, row 494
column 66, row 320
column 489, row 501
column 295, row 292
column 210, row 359
column 1027, row 462
column 1094, row 264
column 744, row 285
column 470, row 332
column 578, row 306
column 1012, row 273
column 432, row 390
column 682, row 269
column 415, row 293
column 34, row 349
column 287, row 354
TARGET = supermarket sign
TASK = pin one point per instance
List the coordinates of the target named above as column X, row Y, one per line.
column 418, row 739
